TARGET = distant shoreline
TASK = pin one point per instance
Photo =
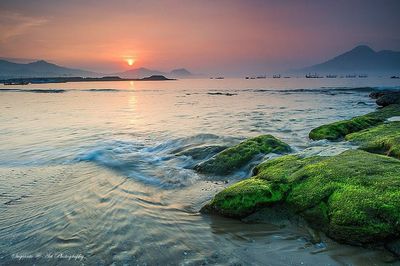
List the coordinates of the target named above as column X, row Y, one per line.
column 47, row 80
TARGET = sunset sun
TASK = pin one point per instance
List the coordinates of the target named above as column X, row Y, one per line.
column 130, row 61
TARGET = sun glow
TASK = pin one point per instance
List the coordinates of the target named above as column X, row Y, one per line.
column 130, row 61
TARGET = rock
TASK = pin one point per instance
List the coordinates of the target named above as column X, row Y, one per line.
column 388, row 99
column 353, row 197
column 382, row 139
column 377, row 94
column 241, row 154
column 243, row 198
column 338, row 130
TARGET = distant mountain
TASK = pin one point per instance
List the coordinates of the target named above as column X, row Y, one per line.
column 39, row 69
column 145, row 72
column 181, row 73
column 360, row 59
column 43, row 69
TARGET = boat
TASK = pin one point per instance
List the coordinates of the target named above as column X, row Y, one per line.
column 395, row 77
column 261, row 77
column 363, row 76
column 331, row 76
column 276, row 76
column 219, row 78
column 312, row 76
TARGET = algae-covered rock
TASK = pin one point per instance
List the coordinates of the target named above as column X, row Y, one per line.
column 382, row 139
column 354, row 197
column 244, row 197
column 340, row 129
column 239, row 155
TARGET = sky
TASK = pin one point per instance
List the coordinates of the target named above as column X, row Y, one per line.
column 204, row 36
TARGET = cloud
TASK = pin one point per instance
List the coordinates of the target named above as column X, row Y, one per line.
column 13, row 24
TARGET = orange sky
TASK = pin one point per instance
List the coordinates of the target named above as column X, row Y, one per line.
column 203, row 36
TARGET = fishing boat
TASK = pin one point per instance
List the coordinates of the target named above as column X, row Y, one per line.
column 312, row 76
column 331, row 76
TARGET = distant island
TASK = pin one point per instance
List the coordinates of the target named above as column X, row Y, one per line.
column 43, row 80
column 145, row 72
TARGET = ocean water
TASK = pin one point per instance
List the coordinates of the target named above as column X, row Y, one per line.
column 91, row 172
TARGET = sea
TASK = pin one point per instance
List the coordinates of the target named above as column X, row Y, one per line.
column 93, row 173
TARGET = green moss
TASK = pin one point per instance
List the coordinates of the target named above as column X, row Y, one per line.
column 244, row 197
column 382, row 139
column 354, row 197
column 239, row 155
column 340, row 129
column 282, row 169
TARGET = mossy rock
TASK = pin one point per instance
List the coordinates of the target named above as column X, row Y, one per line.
column 382, row 139
column 244, row 197
column 354, row 197
column 338, row 130
column 241, row 154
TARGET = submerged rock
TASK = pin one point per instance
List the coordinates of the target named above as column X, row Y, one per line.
column 354, row 197
column 203, row 152
column 382, row 139
column 241, row 154
column 338, row 130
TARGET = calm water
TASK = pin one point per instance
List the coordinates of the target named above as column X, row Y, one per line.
column 93, row 171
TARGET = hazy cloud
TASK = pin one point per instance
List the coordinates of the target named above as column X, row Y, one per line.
column 13, row 24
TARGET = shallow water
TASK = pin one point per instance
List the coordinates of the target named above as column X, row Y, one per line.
column 94, row 169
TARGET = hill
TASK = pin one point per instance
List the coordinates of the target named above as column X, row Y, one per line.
column 360, row 59
column 39, row 69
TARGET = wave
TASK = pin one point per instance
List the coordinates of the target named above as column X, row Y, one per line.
column 160, row 165
column 103, row 90
column 331, row 90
